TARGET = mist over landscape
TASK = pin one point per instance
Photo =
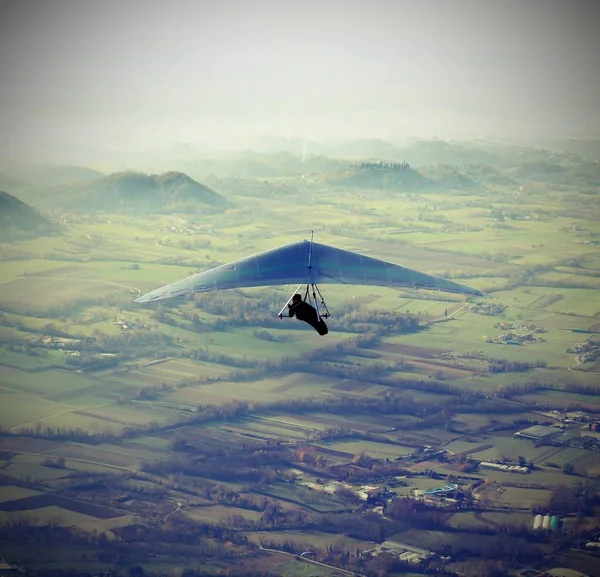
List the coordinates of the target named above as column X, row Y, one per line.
column 426, row 175
column 82, row 80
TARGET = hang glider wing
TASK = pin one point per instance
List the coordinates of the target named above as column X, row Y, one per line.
column 305, row 262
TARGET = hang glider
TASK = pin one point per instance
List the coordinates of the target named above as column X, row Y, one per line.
column 309, row 263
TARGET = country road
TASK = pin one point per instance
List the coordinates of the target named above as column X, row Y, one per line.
column 72, row 409
column 88, row 461
column 313, row 561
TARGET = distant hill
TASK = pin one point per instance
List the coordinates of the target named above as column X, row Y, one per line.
column 126, row 191
column 381, row 175
column 251, row 164
column 11, row 184
column 40, row 176
column 588, row 174
column 401, row 177
column 585, row 147
column 365, row 148
column 19, row 220
column 541, row 170
column 450, row 178
column 488, row 175
column 583, row 175
column 258, row 188
column 292, row 145
column 454, row 153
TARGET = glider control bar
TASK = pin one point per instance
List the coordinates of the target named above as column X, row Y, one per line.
column 280, row 315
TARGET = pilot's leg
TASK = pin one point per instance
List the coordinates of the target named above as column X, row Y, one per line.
column 322, row 328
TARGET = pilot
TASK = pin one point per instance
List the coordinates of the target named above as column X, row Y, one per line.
column 307, row 313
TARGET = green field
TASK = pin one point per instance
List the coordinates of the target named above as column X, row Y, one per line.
column 219, row 513
column 11, row 493
column 470, row 519
column 314, row 539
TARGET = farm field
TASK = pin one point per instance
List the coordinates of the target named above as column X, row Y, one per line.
column 470, row 519
column 206, row 432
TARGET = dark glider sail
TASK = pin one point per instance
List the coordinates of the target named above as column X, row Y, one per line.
column 305, row 262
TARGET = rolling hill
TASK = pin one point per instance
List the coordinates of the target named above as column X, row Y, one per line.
column 400, row 177
column 380, row 175
column 450, row 178
column 128, row 191
column 42, row 176
column 586, row 174
column 11, row 184
column 454, row 153
column 19, row 220
column 250, row 164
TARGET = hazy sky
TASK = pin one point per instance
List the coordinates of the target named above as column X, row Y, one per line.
column 134, row 73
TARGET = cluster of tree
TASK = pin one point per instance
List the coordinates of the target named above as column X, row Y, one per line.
column 49, row 329
column 93, row 362
column 341, row 432
column 494, row 406
column 246, row 311
column 265, row 335
column 195, row 244
column 416, row 514
column 372, row 372
column 506, row 366
column 209, row 355
column 355, row 406
column 579, row 498
column 22, row 528
column 518, row 389
column 221, row 469
column 382, row 165
column 223, row 496
column 375, row 472
column 367, row 527
column 375, row 321
column 83, row 435
column 428, row 217
column 564, row 283
column 138, row 342
column 58, row 463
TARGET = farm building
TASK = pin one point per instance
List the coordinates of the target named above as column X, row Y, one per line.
column 538, row 433
column 507, row 468
column 568, row 438
column 409, row 557
column 404, row 552
column 586, row 442
column 367, row 492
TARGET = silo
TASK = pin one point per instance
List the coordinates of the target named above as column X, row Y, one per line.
column 546, row 522
column 554, row 523
column 537, row 522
